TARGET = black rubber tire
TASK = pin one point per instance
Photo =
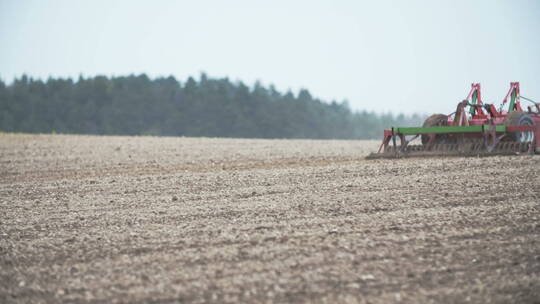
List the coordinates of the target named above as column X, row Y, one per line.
column 435, row 120
column 519, row 118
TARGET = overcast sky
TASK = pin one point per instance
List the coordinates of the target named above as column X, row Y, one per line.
column 400, row 56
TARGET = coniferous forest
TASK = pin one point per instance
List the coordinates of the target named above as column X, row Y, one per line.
column 138, row 105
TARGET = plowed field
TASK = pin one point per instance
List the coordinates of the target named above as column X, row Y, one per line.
column 148, row 219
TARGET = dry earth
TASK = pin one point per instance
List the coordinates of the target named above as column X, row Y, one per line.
column 147, row 219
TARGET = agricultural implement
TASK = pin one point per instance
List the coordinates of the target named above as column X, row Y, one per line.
column 475, row 128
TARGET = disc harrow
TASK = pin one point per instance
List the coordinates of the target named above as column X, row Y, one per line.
column 474, row 129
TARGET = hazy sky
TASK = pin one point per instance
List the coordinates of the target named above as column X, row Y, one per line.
column 404, row 56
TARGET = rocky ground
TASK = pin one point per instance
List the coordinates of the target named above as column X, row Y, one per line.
column 148, row 219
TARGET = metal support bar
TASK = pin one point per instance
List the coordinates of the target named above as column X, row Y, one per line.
column 447, row 129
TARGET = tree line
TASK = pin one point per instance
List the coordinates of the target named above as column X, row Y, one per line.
column 139, row 105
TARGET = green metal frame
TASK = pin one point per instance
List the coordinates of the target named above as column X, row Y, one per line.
column 512, row 101
column 447, row 129
column 474, row 99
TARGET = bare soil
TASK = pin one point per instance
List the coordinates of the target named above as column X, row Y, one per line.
column 159, row 220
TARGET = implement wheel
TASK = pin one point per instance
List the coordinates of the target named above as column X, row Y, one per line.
column 435, row 120
column 519, row 118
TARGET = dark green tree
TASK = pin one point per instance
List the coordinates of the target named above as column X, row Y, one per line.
column 138, row 105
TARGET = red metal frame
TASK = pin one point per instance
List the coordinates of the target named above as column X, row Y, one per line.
column 513, row 86
column 475, row 87
column 491, row 115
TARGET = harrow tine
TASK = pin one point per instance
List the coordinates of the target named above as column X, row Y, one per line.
column 472, row 148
